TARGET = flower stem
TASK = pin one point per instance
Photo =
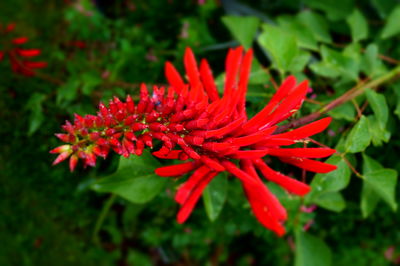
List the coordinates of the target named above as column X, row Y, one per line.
column 101, row 218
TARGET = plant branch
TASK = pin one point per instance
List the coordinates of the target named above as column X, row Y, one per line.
column 348, row 96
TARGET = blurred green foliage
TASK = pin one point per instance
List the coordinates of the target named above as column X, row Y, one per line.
column 103, row 48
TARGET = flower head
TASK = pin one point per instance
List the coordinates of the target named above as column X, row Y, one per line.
column 19, row 57
column 209, row 132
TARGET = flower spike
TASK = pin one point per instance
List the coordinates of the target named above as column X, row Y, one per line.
column 208, row 132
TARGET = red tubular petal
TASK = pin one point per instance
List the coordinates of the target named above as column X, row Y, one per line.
column 62, row 148
column 175, row 154
column 250, row 154
column 173, row 77
column 282, row 92
column 61, row 157
column 1, row 55
column 290, row 184
column 234, row 170
column 35, row 64
column 309, row 165
column 307, row 130
column 302, row 152
column 264, row 216
column 130, row 104
column 243, row 80
column 28, row 53
column 73, row 161
column 223, row 131
column 186, row 188
column 212, row 163
column 233, row 61
column 189, row 204
column 208, row 80
column 254, row 138
column 217, row 146
column 20, row 40
column 272, row 141
column 177, row 169
column 63, row 137
column 139, row 147
column 289, row 105
column 191, row 68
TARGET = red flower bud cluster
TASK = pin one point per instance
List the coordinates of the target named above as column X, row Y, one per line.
column 19, row 57
column 208, row 132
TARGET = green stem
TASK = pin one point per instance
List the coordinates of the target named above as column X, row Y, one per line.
column 101, row 218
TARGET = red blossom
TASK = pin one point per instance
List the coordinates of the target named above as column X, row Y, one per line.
column 17, row 55
column 208, row 132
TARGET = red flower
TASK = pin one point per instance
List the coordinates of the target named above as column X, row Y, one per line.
column 17, row 55
column 208, row 132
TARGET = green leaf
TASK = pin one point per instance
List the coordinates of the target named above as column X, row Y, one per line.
column 258, row 75
column 242, row 28
column 299, row 62
column 325, row 69
column 89, row 82
column 281, row 46
column 34, row 105
column 311, row 251
column 379, row 106
column 369, row 198
column 396, row 88
column 346, row 65
column 358, row 25
column 392, row 26
column 370, row 165
column 68, row 91
column 359, row 137
column 305, row 38
column 345, row 111
column 334, row 9
column 378, row 134
column 214, row 196
column 134, row 179
column 317, row 24
column 332, row 201
column 330, row 182
column 383, row 182
column 370, row 60
column 383, row 7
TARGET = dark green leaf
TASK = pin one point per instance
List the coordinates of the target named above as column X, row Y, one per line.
column 383, row 182
column 134, row 180
column 334, row 9
column 214, row 196
column 311, row 251
column 369, row 198
column 384, row 7
column 34, row 105
column 392, row 26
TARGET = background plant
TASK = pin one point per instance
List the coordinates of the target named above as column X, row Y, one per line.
column 347, row 49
